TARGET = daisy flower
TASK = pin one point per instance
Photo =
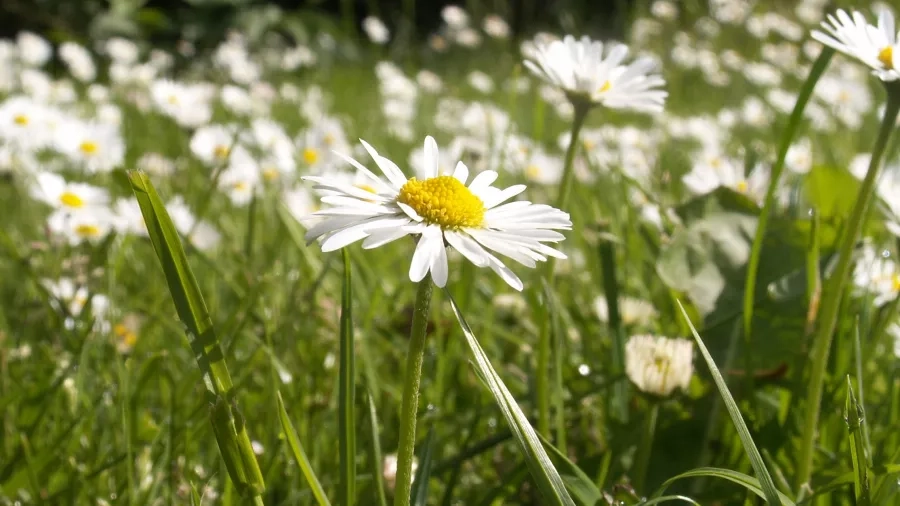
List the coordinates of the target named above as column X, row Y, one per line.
column 876, row 46
column 439, row 210
column 52, row 189
column 658, row 365
column 593, row 72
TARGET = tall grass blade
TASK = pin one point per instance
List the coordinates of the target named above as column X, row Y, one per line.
column 228, row 423
column 770, row 493
column 419, row 495
column 346, row 387
column 376, row 456
column 748, row 482
column 853, row 416
column 299, row 455
column 669, row 498
column 816, row 71
column 547, row 479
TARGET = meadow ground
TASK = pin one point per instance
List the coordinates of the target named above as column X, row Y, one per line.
column 742, row 193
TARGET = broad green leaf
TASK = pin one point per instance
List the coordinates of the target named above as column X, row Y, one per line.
column 770, row 493
column 831, row 191
column 545, row 475
column 299, row 455
column 419, row 493
column 346, row 388
column 748, row 482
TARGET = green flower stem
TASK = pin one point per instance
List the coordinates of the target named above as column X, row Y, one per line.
column 542, row 376
column 645, row 447
column 410, row 405
column 831, row 300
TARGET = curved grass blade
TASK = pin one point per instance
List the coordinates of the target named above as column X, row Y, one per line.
column 579, row 484
column 748, row 482
column 228, row 423
column 667, row 498
column 346, row 389
column 770, row 493
column 815, row 73
column 853, row 416
column 545, row 475
column 419, row 494
column 299, row 455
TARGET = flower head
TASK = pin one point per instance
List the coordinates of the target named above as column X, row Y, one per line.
column 659, row 365
column 593, row 72
column 876, row 46
column 440, row 210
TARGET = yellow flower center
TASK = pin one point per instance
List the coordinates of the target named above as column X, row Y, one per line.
column 328, row 139
column 88, row 147
column 661, row 362
column 895, row 282
column 606, row 86
column 533, row 171
column 173, row 99
column 87, row 231
column 886, row 57
column 743, row 186
column 20, row 119
column 310, row 156
column 221, row 152
column 240, row 186
column 69, row 199
column 125, row 334
column 270, row 174
column 443, row 201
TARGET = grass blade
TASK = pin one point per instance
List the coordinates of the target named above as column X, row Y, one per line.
column 748, row 482
column 542, row 470
column 419, row 496
column 770, row 493
column 299, row 455
column 787, row 138
column 579, row 484
column 228, row 423
column 346, row 386
column 853, row 416
column 376, row 456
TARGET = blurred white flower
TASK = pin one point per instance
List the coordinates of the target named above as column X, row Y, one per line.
column 799, row 157
column 481, row 81
column 594, row 73
column 200, row 234
column 495, row 26
column 658, row 365
column 55, row 191
column 877, row 275
column 128, row 217
column 33, row 50
column 664, row 9
column 212, row 144
column 121, row 50
column 86, row 225
column 455, row 17
column 376, row 30
column 156, row 164
column 632, row 311
column 187, row 104
column 429, row 81
column 94, row 147
column 389, row 470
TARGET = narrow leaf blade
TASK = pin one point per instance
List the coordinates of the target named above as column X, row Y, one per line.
column 299, row 455
column 543, row 472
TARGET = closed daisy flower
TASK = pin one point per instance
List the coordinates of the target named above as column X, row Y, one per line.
column 876, row 46
column 440, row 210
column 592, row 72
column 658, row 365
